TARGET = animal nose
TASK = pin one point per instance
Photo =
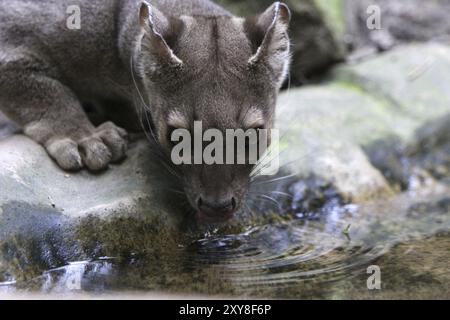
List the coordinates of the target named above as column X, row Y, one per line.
column 216, row 208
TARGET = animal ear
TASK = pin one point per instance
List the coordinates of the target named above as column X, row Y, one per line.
column 270, row 39
column 157, row 27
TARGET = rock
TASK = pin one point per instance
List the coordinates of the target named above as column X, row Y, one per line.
column 421, row 162
column 314, row 47
column 417, row 89
column 49, row 217
column 325, row 128
column 431, row 150
column 314, row 254
column 411, row 271
column 416, row 84
column 401, row 22
column 30, row 176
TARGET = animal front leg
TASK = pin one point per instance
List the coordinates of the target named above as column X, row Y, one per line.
column 51, row 114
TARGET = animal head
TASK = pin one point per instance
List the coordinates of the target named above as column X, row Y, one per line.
column 223, row 71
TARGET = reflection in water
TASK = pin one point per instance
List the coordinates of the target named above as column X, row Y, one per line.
column 307, row 256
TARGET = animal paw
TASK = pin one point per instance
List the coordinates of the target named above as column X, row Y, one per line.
column 107, row 144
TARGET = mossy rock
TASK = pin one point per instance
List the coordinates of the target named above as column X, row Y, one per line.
column 326, row 127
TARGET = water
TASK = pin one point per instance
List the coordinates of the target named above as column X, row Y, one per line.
column 322, row 254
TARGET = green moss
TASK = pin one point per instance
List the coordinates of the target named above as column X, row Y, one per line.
column 333, row 11
column 123, row 236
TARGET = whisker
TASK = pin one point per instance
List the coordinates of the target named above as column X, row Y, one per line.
column 250, row 211
column 292, row 175
column 144, row 109
column 252, row 205
column 255, row 175
column 274, row 192
column 263, row 164
column 266, row 197
column 282, row 194
column 141, row 98
column 175, row 191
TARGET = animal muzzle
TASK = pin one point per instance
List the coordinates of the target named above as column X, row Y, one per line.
column 216, row 210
